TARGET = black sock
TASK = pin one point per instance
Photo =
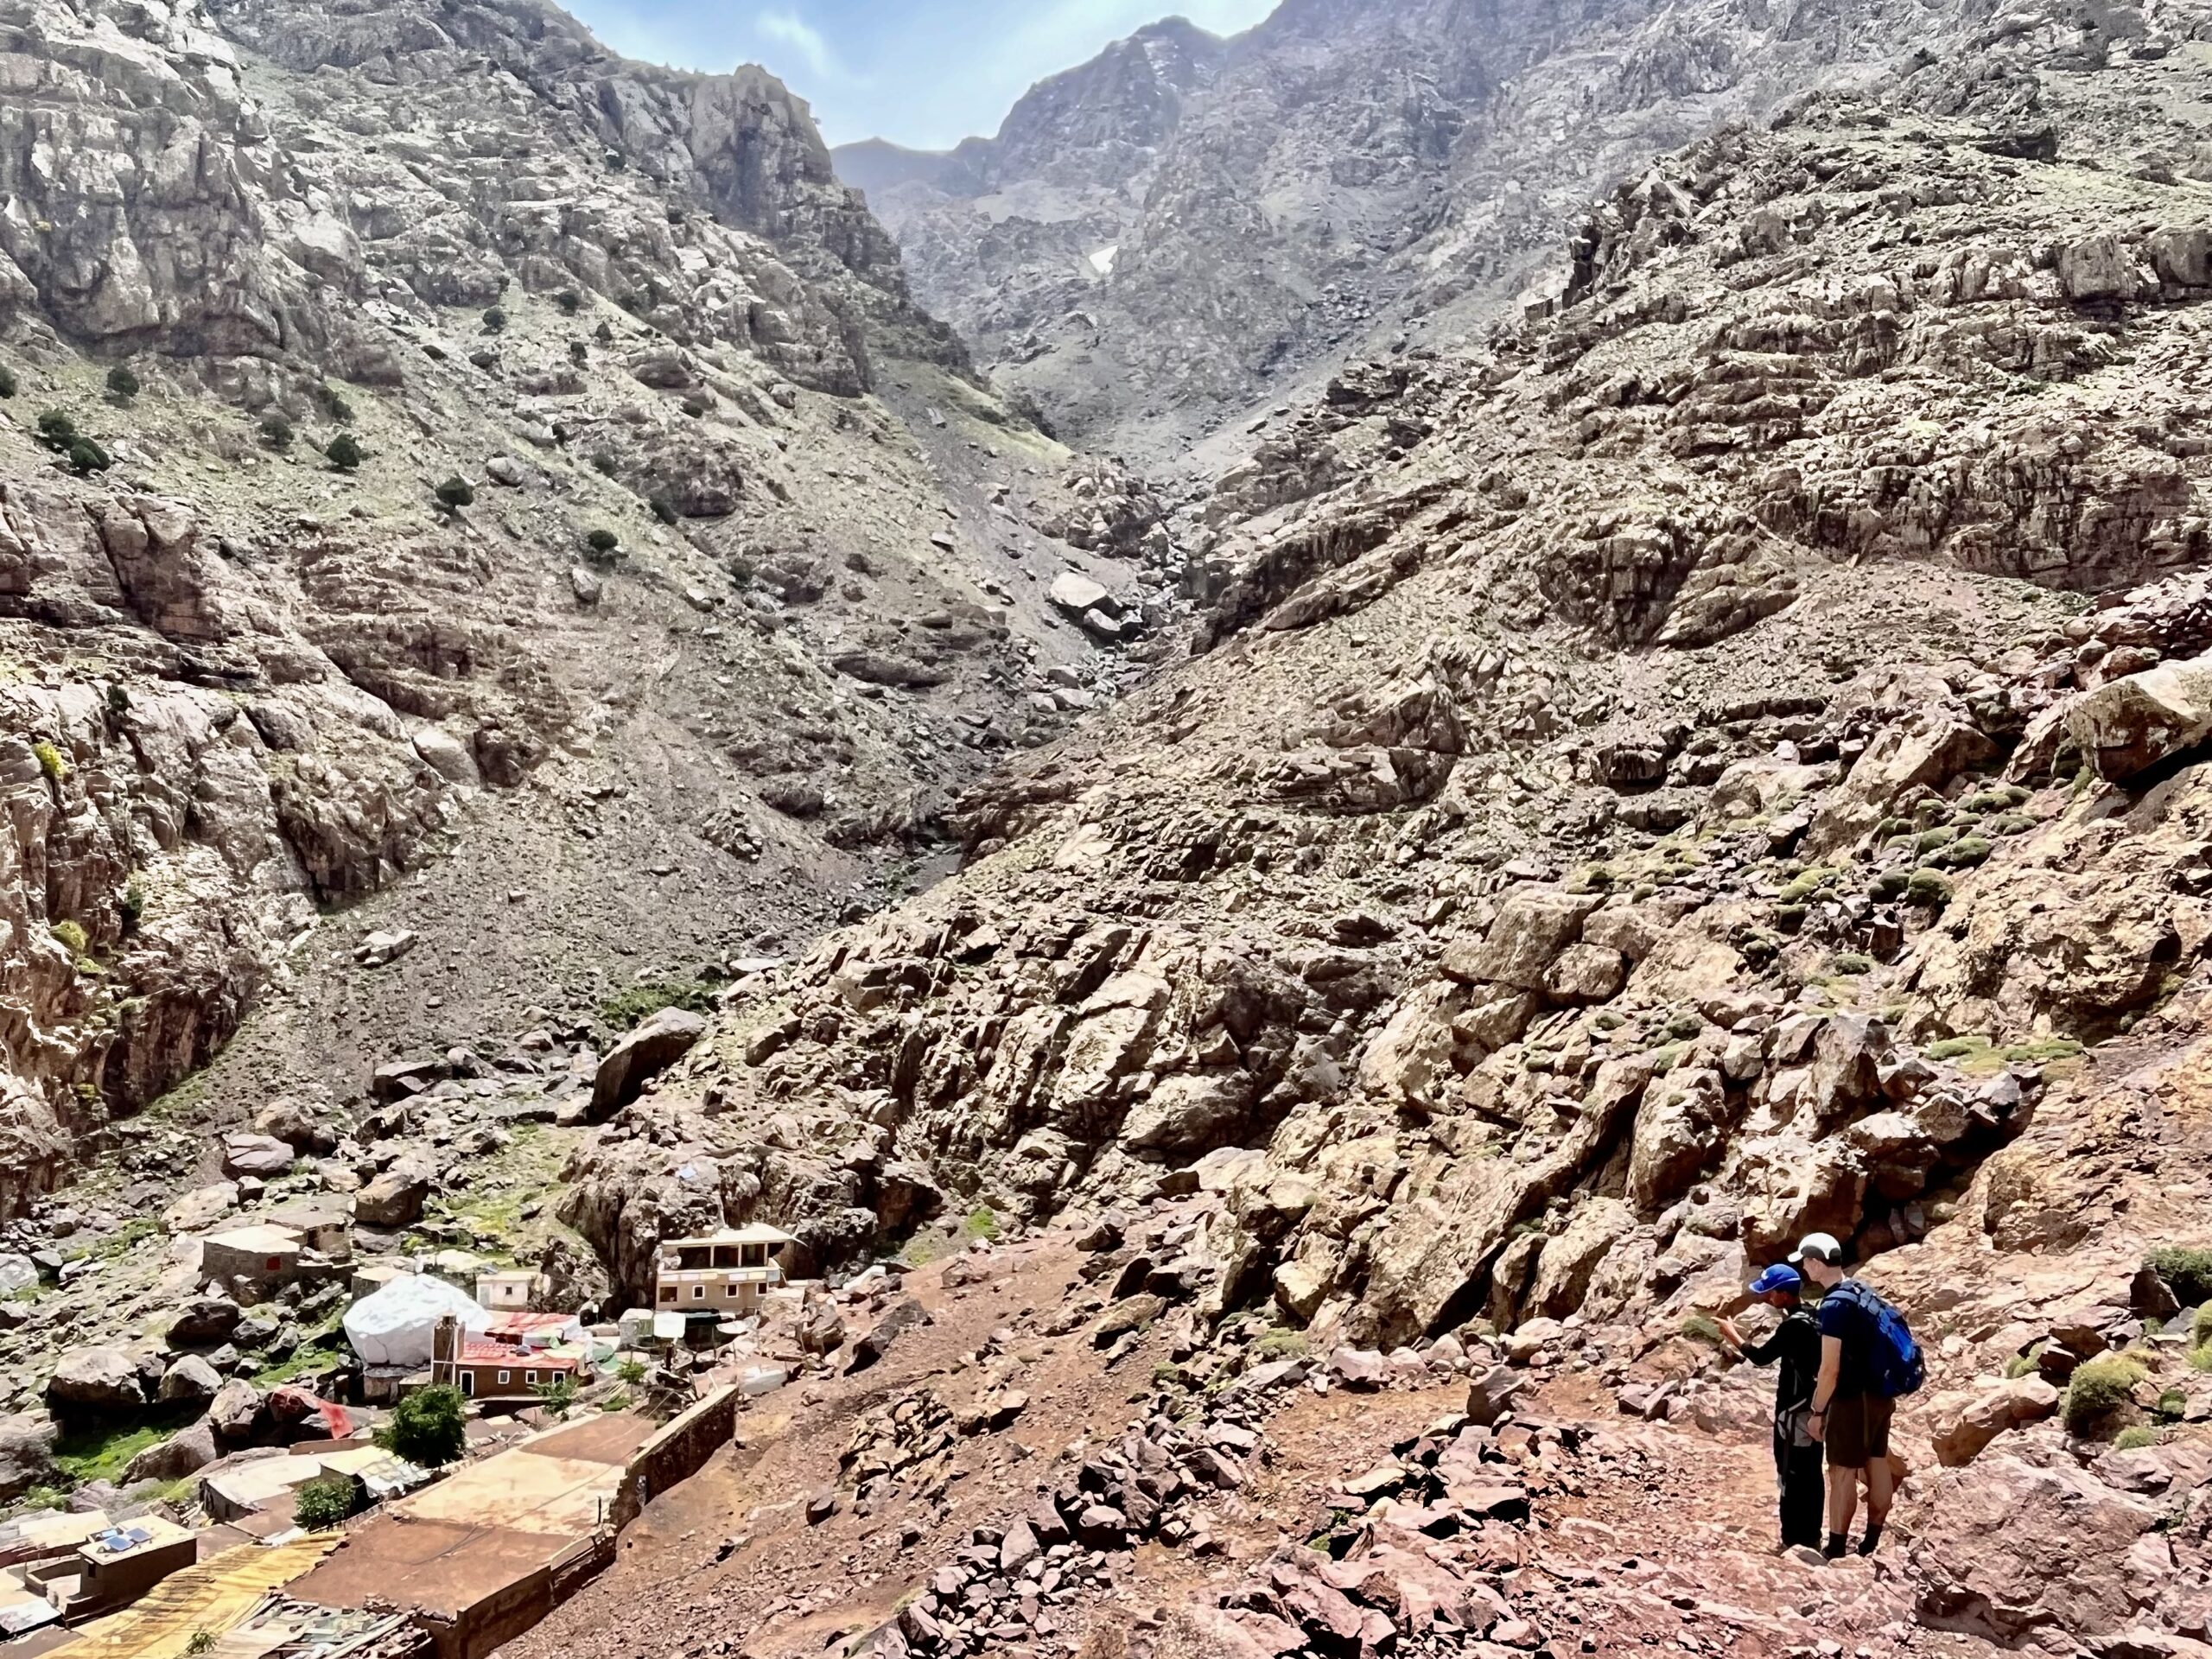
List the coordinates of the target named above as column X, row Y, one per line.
column 1838, row 1543
column 1873, row 1537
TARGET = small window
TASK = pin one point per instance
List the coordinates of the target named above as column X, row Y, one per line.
column 468, row 1383
column 729, row 1290
column 668, row 1292
column 530, row 1377
column 698, row 1292
column 503, row 1377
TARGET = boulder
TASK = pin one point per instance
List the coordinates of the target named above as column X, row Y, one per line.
column 1076, row 594
column 26, row 1456
column 235, row 1412
column 1965, row 1423
column 95, row 1383
column 395, row 1197
column 656, row 1045
column 261, row 1155
column 186, row 1453
column 205, row 1321
column 191, row 1379
column 447, row 755
column 2005, row 1550
column 2127, row 725
column 1533, row 927
column 18, row 1273
column 291, row 1120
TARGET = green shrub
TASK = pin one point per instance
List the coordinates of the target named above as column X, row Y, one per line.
column 2020, row 1364
column 602, row 542
column 570, row 301
column 428, row 1427
column 495, row 320
column 276, row 430
column 323, row 1503
column 663, row 509
column 697, row 407
column 335, row 405
column 1955, row 1048
column 344, row 453
column 51, row 760
column 2173, row 1405
column 133, row 906
column 2099, row 1386
column 1889, row 829
column 7, row 382
column 1684, row 1027
column 982, row 1222
column 1988, row 800
column 1852, row 963
column 1281, row 1345
column 1929, row 888
column 2200, row 1357
column 73, row 935
column 1890, row 884
column 56, row 431
column 87, row 458
column 640, row 1002
column 1965, row 852
column 1789, row 918
column 603, row 334
column 2011, row 823
column 455, row 494
column 631, row 1369
column 199, row 1642
column 1928, row 840
column 1811, row 881
column 2134, row 1439
column 122, row 382
column 2188, row 1273
column 579, row 354
column 603, row 464
column 1701, row 1326
column 558, row 1397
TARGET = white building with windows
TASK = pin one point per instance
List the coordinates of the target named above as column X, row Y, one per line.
column 723, row 1275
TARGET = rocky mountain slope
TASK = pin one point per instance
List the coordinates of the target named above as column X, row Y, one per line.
column 423, row 430
column 1720, row 761
column 1188, row 226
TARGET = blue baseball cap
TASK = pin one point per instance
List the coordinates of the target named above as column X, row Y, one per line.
column 1780, row 1276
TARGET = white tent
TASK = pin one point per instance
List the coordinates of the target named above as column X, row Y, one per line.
column 393, row 1326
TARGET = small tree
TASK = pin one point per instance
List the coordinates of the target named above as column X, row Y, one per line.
column 344, row 453
column 322, row 1503
column 455, row 494
column 122, row 382
column 428, row 1427
column 602, row 542
column 56, row 431
column 579, row 354
column 7, row 382
column 276, row 431
column 697, row 407
column 631, row 1369
column 663, row 509
column 570, row 301
column 558, row 1396
column 604, row 335
column 335, row 405
column 494, row 320
column 87, row 458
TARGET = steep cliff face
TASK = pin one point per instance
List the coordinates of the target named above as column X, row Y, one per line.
column 1186, row 226
column 405, row 407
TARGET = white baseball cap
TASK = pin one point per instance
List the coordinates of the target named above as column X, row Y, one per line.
column 1820, row 1247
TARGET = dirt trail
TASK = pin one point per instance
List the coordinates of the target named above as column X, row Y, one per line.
column 1662, row 1538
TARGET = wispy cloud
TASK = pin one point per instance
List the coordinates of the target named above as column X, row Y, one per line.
column 789, row 29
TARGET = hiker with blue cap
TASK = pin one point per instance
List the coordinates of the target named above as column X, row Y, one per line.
column 1797, row 1345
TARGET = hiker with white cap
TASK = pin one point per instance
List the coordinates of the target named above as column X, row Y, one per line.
column 1796, row 1344
column 1868, row 1358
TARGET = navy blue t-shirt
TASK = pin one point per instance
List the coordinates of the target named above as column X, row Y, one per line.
column 1845, row 1317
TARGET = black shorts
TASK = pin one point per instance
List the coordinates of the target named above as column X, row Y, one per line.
column 1859, row 1429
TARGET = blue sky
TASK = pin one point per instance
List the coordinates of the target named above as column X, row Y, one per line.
column 922, row 72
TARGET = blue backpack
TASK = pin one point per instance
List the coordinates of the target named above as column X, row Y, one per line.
column 1894, row 1366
